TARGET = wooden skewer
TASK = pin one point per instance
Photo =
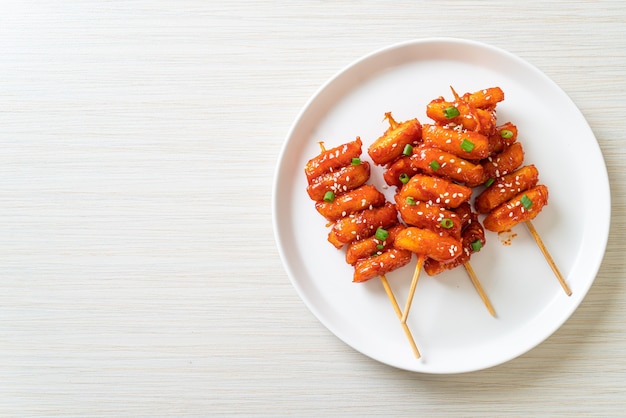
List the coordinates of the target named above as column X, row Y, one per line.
column 548, row 257
column 479, row 288
column 409, row 301
column 396, row 308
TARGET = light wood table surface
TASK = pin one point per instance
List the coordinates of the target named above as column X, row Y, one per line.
column 139, row 271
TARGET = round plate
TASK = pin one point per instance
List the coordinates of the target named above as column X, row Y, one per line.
column 449, row 322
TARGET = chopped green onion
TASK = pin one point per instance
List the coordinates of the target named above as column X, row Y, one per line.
column 410, row 201
column 506, row 134
column 329, row 197
column 447, row 223
column 467, row 145
column 380, row 246
column 476, row 245
column 404, row 178
column 451, row 112
column 489, row 182
column 381, row 234
column 408, row 150
column 434, row 165
column 356, row 161
column 526, row 202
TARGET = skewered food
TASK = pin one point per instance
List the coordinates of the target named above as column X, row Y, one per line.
column 512, row 195
column 360, row 214
column 521, row 208
column 425, row 174
column 506, row 187
column 472, row 240
column 336, row 181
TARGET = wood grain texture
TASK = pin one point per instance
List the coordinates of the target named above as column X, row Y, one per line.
column 140, row 276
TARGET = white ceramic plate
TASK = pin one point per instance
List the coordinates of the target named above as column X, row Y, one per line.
column 451, row 326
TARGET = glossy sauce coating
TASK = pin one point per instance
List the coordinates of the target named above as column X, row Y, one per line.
column 362, row 224
column 503, row 163
column 391, row 144
column 341, row 181
column 453, row 141
column 401, row 166
column 332, row 159
column 364, row 197
column 392, row 259
column 429, row 216
column 447, row 165
column 472, row 231
column 509, row 214
column 370, row 246
column 470, row 118
column 429, row 244
column 499, row 140
column 484, row 99
column 506, row 187
column 436, row 190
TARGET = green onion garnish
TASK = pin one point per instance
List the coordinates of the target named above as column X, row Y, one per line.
column 410, row 201
column 447, row 223
column 408, row 150
column 476, row 245
column 526, row 202
column 451, row 112
column 506, row 134
column 489, row 182
column 434, row 165
column 404, row 178
column 380, row 246
column 381, row 234
column 356, row 161
column 467, row 145
column 329, row 197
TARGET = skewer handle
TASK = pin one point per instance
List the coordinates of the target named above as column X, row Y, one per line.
column 396, row 308
column 409, row 301
column 479, row 288
column 548, row 257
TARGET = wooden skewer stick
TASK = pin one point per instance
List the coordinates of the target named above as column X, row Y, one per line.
column 409, row 301
column 548, row 257
column 396, row 308
column 479, row 288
